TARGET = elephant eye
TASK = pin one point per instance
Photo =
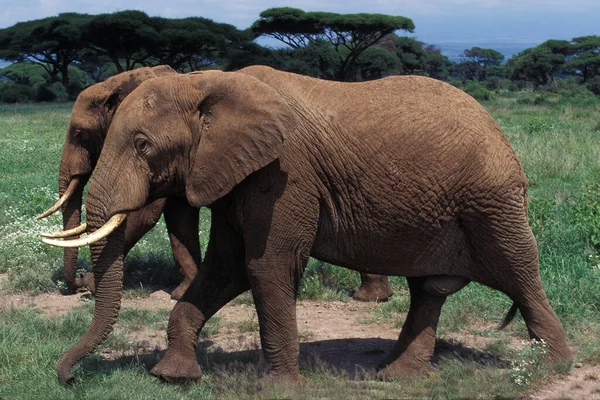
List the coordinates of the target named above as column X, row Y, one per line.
column 142, row 146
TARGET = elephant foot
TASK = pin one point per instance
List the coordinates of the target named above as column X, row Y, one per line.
column 373, row 288
column 177, row 368
column 403, row 370
column 180, row 290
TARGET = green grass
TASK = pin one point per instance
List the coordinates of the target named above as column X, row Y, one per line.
column 556, row 139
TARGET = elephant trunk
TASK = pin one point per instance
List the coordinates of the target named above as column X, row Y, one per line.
column 107, row 258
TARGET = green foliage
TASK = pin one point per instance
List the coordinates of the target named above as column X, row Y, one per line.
column 39, row 85
column 478, row 61
column 25, row 73
column 349, row 34
column 586, row 58
column 375, row 63
column 325, row 281
column 52, row 43
column 594, row 85
column 417, row 58
column 539, row 64
column 586, row 215
column 15, row 93
column 478, row 91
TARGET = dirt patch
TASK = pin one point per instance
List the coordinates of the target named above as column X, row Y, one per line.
column 583, row 382
column 333, row 336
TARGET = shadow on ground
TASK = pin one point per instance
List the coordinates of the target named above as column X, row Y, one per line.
column 355, row 358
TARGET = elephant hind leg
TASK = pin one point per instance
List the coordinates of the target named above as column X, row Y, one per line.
column 505, row 250
column 411, row 355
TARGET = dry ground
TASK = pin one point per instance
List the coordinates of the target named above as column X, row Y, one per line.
column 334, row 334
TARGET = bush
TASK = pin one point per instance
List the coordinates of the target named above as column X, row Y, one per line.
column 44, row 93
column 51, row 92
column 594, row 85
column 478, row 91
column 15, row 93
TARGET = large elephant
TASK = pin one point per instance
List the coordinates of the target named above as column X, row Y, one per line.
column 88, row 126
column 400, row 176
column 90, row 119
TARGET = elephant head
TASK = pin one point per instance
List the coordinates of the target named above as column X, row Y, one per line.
column 91, row 117
column 197, row 135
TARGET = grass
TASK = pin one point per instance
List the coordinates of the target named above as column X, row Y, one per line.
column 556, row 139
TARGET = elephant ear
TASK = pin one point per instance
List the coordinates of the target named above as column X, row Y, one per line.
column 242, row 126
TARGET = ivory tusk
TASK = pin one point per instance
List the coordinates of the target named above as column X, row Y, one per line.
column 93, row 237
column 66, row 195
column 68, row 233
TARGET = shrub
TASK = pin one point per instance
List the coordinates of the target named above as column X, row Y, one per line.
column 594, row 85
column 15, row 93
column 478, row 91
column 44, row 93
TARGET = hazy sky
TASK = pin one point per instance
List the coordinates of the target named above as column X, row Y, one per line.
column 437, row 21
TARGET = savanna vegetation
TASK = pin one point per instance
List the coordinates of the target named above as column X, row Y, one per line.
column 555, row 136
column 54, row 58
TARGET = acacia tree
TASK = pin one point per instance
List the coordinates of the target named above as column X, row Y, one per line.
column 127, row 38
column 586, row 60
column 349, row 34
column 479, row 59
column 194, row 43
column 54, row 43
column 540, row 63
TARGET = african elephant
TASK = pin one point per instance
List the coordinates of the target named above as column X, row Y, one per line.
column 400, row 176
column 88, row 126
column 91, row 116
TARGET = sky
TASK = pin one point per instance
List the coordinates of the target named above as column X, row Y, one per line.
column 454, row 25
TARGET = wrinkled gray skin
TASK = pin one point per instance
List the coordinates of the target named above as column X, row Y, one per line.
column 400, row 176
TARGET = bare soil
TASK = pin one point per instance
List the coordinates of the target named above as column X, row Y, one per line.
column 333, row 335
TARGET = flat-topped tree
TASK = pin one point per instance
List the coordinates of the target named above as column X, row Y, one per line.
column 53, row 43
column 190, row 44
column 128, row 38
column 350, row 34
column 587, row 56
column 539, row 64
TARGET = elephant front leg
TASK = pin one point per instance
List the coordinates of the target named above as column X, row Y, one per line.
column 274, row 286
column 182, row 223
column 220, row 278
column 412, row 353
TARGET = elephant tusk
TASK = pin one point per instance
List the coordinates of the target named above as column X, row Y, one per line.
column 68, row 233
column 105, row 230
column 68, row 193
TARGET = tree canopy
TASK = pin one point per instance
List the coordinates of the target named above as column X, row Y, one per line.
column 539, row 64
column 349, row 34
column 53, row 43
column 71, row 50
column 586, row 60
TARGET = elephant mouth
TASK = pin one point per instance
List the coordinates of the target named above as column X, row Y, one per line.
column 113, row 223
column 63, row 199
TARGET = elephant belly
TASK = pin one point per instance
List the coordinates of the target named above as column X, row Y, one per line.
column 402, row 251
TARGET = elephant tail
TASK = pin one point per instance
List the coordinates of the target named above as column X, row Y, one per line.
column 509, row 317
